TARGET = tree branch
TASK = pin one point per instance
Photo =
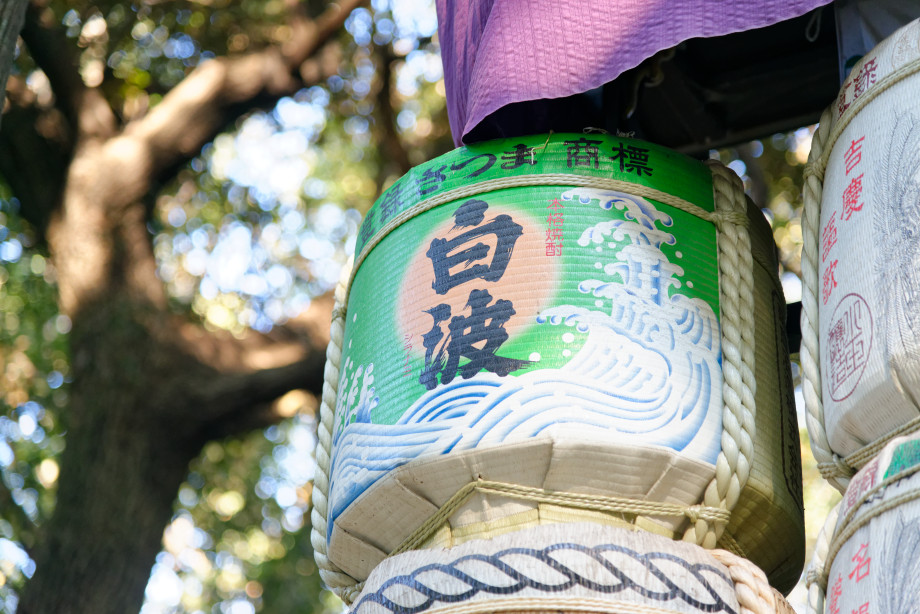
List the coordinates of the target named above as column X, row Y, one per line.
column 242, row 376
column 85, row 108
column 221, row 90
column 250, row 401
column 12, row 16
column 34, row 154
column 392, row 143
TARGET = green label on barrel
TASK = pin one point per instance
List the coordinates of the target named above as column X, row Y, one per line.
column 905, row 457
column 529, row 311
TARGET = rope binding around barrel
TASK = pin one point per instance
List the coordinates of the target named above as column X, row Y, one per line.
column 708, row 519
column 836, row 469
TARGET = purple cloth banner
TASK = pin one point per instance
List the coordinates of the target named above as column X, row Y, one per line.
column 497, row 52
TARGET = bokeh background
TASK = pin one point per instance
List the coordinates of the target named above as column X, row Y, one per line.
column 248, row 231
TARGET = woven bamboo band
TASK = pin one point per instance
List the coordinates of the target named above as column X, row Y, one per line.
column 848, row 527
column 833, row 468
column 599, row 503
column 736, row 290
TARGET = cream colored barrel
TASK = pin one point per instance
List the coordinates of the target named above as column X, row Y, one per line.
column 871, row 562
column 860, row 261
column 637, row 305
column 572, row 568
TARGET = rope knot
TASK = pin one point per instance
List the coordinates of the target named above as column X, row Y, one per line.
column 843, row 467
column 735, row 218
column 811, row 577
column 837, row 467
column 814, row 169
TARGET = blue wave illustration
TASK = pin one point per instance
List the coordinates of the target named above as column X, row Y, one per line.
column 648, row 372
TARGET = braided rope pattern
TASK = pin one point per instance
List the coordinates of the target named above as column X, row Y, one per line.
column 338, row 581
column 833, row 468
column 737, row 323
column 614, row 569
column 736, row 286
column 753, row 591
column 816, row 575
column 549, row 605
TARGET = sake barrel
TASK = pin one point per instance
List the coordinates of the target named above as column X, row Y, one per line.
column 860, row 261
column 557, row 329
column 569, row 568
column 871, row 562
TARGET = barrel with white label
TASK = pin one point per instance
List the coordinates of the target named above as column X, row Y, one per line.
column 558, row 329
column 571, row 568
column 871, row 562
column 860, row 261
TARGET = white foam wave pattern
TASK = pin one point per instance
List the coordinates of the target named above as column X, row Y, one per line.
column 608, row 389
column 647, row 373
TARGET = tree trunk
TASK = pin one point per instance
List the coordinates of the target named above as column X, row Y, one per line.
column 149, row 387
column 136, row 417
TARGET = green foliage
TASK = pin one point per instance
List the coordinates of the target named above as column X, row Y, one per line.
column 137, row 51
column 34, row 370
column 258, row 224
column 241, row 534
column 772, row 170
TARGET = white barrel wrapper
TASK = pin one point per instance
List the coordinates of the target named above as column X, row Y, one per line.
column 579, row 567
column 869, row 251
column 875, row 551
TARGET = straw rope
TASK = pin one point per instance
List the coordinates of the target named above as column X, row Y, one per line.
column 339, row 582
column 816, row 568
column 728, row 542
column 601, row 503
column 833, row 468
column 733, row 465
column 753, row 591
column 736, row 288
column 865, row 454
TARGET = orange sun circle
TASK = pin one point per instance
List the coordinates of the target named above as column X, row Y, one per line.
column 528, row 281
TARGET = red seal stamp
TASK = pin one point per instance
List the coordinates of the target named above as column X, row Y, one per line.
column 849, row 339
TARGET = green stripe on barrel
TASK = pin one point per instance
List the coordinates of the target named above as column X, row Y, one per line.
column 511, row 312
